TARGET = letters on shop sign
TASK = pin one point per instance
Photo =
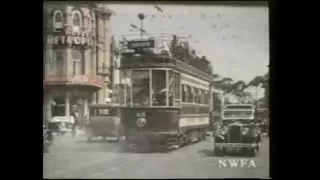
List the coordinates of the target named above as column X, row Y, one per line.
column 70, row 38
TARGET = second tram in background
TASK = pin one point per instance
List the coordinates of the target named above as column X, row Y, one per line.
column 164, row 97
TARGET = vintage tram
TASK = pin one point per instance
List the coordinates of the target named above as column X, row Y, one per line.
column 164, row 97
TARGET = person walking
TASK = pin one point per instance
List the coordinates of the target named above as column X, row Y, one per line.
column 75, row 116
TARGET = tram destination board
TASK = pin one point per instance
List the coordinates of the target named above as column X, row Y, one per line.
column 141, row 44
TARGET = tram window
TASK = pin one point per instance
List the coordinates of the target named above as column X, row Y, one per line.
column 196, row 94
column 189, row 94
column 177, row 86
column 171, row 86
column 159, row 87
column 184, row 93
column 206, row 97
column 193, row 95
column 125, row 88
column 140, row 87
column 201, row 98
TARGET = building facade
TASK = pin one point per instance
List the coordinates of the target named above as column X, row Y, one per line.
column 76, row 57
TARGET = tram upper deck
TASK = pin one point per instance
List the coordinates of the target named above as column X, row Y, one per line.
column 150, row 79
column 164, row 52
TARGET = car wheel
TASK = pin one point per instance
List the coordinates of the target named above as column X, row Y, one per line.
column 252, row 152
column 218, row 151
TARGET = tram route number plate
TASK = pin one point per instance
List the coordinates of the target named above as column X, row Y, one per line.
column 141, row 114
column 141, row 44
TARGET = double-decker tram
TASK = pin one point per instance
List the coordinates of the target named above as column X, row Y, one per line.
column 164, row 96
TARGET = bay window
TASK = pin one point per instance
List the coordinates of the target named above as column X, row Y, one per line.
column 77, row 62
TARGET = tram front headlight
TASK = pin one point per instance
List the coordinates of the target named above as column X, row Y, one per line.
column 141, row 122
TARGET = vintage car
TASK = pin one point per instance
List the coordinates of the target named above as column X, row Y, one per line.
column 61, row 124
column 238, row 131
column 47, row 139
column 104, row 121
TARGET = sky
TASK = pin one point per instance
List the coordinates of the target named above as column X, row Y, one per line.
column 234, row 39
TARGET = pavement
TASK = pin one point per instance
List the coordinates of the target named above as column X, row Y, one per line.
column 73, row 157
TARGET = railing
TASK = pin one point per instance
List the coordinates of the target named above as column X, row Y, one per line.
column 130, row 61
column 162, row 46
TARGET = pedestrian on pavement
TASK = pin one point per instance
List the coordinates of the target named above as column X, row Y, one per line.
column 75, row 116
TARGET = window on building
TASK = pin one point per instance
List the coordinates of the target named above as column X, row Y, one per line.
column 206, row 97
column 87, row 22
column 57, row 20
column 76, row 18
column 77, row 61
column 57, row 62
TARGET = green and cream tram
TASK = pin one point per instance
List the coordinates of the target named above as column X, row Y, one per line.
column 164, row 101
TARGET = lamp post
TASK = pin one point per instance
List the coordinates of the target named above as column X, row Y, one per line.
column 141, row 16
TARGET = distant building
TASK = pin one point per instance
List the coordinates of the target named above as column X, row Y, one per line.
column 77, row 56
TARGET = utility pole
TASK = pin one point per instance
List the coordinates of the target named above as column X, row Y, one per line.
column 162, row 38
column 257, row 100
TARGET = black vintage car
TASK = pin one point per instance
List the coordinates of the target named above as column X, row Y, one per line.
column 238, row 132
column 104, row 122
column 47, row 139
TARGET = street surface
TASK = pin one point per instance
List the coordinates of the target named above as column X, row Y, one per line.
column 75, row 158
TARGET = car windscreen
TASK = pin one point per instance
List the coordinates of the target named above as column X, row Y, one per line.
column 237, row 114
column 238, row 107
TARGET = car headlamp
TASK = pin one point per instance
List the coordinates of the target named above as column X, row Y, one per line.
column 224, row 130
column 245, row 131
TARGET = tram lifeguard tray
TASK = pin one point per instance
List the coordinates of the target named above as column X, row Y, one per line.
column 141, row 44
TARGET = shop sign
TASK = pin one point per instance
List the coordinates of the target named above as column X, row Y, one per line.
column 69, row 39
